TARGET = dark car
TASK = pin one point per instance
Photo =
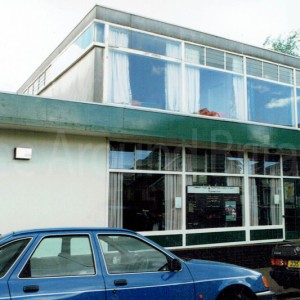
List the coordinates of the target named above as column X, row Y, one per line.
column 110, row 264
column 285, row 263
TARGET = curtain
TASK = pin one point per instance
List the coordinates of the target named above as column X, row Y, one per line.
column 253, row 201
column 275, row 209
column 233, row 165
column 119, row 76
column 172, row 79
column 238, row 107
column 192, row 83
column 173, row 188
column 115, row 205
column 173, row 158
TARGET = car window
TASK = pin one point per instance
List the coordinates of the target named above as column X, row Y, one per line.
column 126, row 254
column 61, row 256
column 9, row 254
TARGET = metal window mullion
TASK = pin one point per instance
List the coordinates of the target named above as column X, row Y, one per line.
column 247, row 200
column 184, row 197
column 183, row 88
column 282, row 199
column 295, row 100
column 105, row 65
column 245, row 116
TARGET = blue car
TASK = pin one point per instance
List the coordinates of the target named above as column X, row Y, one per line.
column 113, row 264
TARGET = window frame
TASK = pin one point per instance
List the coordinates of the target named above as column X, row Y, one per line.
column 167, row 256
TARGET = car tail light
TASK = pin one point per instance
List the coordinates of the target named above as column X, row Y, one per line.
column 265, row 281
column 278, row 262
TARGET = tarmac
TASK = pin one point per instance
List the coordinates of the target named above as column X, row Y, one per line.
column 279, row 291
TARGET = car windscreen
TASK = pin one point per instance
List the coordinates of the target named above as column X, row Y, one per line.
column 9, row 254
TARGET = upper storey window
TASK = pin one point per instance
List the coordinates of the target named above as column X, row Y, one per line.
column 124, row 38
column 269, row 71
column 140, row 79
column 270, row 102
column 213, row 58
column 213, row 92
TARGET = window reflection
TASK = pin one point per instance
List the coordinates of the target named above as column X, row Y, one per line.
column 147, row 157
column 214, row 93
column 263, row 164
column 143, row 81
column 270, row 102
column 121, row 156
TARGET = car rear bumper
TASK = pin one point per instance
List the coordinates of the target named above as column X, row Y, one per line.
column 286, row 278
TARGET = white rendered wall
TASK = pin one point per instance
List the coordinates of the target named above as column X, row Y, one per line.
column 75, row 84
column 64, row 184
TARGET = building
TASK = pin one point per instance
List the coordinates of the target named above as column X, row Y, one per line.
column 188, row 138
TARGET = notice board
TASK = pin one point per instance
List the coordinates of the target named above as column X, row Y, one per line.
column 209, row 207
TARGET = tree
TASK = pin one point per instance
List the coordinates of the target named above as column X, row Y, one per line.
column 287, row 44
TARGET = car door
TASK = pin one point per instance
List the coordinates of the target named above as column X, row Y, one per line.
column 135, row 269
column 60, row 266
column 10, row 252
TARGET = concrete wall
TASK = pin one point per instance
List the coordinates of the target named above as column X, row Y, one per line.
column 77, row 83
column 64, row 184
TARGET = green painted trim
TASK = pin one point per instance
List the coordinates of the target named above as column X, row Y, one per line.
column 215, row 237
column 266, row 234
column 167, row 240
column 36, row 113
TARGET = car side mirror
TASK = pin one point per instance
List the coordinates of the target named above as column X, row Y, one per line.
column 174, row 265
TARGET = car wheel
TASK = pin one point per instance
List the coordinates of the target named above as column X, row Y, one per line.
column 237, row 293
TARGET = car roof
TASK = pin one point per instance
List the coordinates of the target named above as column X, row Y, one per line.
column 68, row 229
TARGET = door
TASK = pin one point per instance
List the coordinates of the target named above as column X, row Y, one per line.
column 292, row 208
column 59, row 267
column 137, row 270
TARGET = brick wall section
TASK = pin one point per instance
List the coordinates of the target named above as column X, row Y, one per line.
column 250, row 256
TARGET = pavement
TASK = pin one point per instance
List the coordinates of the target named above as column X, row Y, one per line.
column 280, row 292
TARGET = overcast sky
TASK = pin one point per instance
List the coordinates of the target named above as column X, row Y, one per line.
column 31, row 29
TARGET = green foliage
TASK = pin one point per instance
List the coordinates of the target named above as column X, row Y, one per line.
column 286, row 44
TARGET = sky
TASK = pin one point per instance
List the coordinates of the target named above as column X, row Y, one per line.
column 31, row 29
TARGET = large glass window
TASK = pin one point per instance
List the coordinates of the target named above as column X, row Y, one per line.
column 270, row 102
column 291, row 165
column 144, row 42
column 214, row 201
column 145, row 202
column 265, row 201
column 145, row 157
column 263, row 164
column 144, row 81
column 214, row 161
column 121, row 156
column 214, row 93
